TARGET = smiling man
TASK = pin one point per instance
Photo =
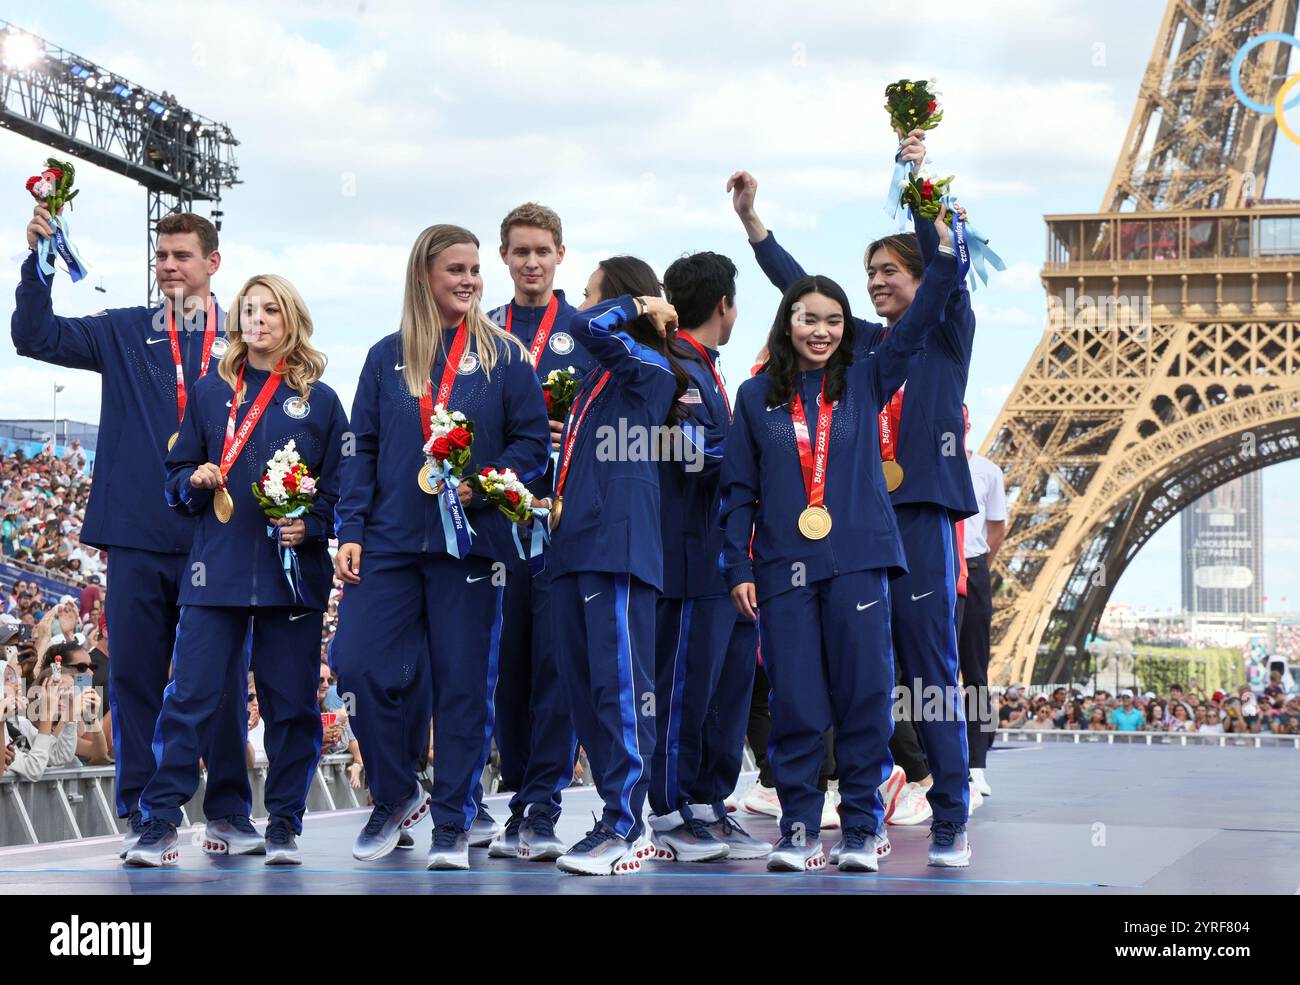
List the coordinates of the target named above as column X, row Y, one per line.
column 533, row 732
column 150, row 359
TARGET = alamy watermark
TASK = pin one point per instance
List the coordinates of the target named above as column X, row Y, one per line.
column 1109, row 312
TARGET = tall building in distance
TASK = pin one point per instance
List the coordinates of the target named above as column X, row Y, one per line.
column 1223, row 566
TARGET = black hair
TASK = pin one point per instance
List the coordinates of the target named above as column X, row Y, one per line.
column 905, row 247
column 782, row 364
column 633, row 276
column 696, row 283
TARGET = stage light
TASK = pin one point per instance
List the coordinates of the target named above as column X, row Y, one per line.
column 22, row 50
column 156, row 107
column 81, row 72
column 121, row 90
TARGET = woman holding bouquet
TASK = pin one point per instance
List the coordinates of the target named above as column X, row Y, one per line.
column 259, row 564
column 801, row 477
column 930, row 488
column 420, row 621
column 606, row 556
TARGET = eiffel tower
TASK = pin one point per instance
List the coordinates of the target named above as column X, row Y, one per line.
column 1171, row 360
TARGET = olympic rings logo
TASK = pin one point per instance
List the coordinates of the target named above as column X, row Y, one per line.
column 1280, row 105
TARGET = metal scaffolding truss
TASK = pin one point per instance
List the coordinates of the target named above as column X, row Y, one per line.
column 71, row 104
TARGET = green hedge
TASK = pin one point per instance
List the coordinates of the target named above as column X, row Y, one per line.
column 1215, row 668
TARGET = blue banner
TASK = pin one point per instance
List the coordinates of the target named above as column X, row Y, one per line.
column 61, row 245
column 289, row 555
column 894, row 198
column 538, row 537
column 456, row 531
column 974, row 256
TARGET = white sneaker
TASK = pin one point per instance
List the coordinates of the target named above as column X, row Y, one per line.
column 830, row 810
column 762, row 800
column 911, row 807
column 890, row 789
column 980, row 782
column 976, row 798
column 733, row 802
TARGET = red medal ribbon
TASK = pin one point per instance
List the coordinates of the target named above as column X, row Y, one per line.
column 543, row 330
column 717, row 377
column 890, row 415
column 235, row 440
column 813, row 461
column 209, row 336
column 427, row 403
column 571, row 438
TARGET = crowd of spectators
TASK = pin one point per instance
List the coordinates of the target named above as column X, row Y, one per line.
column 1189, row 709
column 1288, row 640
column 43, row 502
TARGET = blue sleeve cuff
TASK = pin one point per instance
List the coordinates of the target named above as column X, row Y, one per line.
column 351, row 533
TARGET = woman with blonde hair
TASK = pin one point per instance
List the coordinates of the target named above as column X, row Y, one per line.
column 253, row 580
column 420, row 620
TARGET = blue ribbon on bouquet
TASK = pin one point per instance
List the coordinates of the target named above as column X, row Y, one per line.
column 61, row 243
column 289, row 555
column 974, row 255
column 456, row 531
column 538, row 537
column 894, row 198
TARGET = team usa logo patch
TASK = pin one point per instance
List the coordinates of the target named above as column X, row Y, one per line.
column 561, row 343
column 468, row 364
column 297, row 408
column 219, row 347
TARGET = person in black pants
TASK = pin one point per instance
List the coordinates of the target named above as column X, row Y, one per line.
column 982, row 536
column 973, row 650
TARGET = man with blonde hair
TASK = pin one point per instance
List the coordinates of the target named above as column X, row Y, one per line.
column 534, row 735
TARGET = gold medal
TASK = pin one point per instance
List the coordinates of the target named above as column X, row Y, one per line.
column 893, row 474
column 172, row 440
column 555, row 512
column 223, row 505
column 815, row 522
column 425, row 481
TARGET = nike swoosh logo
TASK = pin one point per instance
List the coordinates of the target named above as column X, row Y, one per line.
column 917, row 598
column 155, row 341
column 470, row 581
column 303, row 615
column 867, row 605
column 588, row 598
column 399, row 367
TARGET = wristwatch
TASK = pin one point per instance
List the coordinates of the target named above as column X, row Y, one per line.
column 641, row 306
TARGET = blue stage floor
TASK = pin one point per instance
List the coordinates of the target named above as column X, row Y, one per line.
column 1063, row 819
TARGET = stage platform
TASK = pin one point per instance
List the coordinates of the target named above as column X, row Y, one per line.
column 1063, row 819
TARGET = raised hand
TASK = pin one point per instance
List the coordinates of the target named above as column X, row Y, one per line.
column 40, row 225
column 913, row 148
column 663, row 314
column 744, row 187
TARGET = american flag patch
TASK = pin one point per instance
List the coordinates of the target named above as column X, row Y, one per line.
column 692, row 396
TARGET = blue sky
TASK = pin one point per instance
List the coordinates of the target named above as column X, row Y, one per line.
column 361, row 123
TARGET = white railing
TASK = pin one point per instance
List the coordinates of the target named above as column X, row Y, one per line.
column 79, row 802
column 1016, row 736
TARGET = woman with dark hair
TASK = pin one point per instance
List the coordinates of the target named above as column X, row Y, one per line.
column 801, row 475
column 929, row 481
column 606, row 554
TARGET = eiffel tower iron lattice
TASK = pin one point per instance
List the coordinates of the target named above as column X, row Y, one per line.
column 1171, row 359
